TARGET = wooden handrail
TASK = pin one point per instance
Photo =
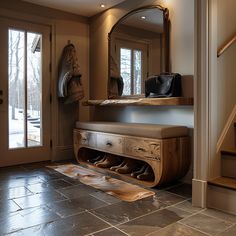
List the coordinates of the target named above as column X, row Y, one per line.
column 226, row 45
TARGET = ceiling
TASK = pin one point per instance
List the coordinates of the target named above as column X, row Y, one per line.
column 80, row 7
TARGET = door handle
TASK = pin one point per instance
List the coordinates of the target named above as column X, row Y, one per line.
column 1, row 101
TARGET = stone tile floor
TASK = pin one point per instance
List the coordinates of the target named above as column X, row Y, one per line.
column 35, row 200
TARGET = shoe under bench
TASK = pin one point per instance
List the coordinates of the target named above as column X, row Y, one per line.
column 165, row 148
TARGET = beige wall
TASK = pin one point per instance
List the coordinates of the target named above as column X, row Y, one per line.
column 64, row 27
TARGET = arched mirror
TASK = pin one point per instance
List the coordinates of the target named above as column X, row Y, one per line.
column 138, row 48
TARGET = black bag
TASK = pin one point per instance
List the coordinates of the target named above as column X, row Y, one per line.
column 163, row 85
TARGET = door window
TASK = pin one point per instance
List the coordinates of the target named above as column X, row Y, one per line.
column 24, row 89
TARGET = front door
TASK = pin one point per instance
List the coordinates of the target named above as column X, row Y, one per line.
column 24, row 92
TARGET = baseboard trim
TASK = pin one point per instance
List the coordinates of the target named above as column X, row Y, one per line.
column 199, row 193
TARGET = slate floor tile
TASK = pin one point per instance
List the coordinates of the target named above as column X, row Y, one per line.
column 19, row 182
column 124, row 211
column 16, row 192
column 109, row 232
column 105, row 197
column 76, row 191
column 206, row 224
column 152, row 222
column 8, row 206
column 169, row 198
column 184, row 190
column 48, row 186
column 78, row 225
column 38, row 199
column 177, row 229
column 229, row 232
column 187, row 206
column 25, row 218
column 220, row 214
column 74, row 206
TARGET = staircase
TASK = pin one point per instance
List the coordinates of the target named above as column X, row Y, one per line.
column 222, row 190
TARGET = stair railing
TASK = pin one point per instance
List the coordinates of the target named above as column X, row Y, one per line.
column 226, row 139
column 226, row 45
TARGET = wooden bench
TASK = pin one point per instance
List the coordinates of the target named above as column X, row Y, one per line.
column 165, row 148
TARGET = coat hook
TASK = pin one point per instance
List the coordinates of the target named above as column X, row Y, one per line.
column 68, row 42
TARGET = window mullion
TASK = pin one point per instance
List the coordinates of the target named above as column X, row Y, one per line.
column 132, row 72
column 25, row 84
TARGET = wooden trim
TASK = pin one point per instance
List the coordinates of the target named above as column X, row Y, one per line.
column 229, row 152
column 226, row 45
column 199, row 190
column 201, row 108
column 224, row 182
column 226, row 130
column 173, row 101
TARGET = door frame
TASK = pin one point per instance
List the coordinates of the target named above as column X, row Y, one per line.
column 27, row 23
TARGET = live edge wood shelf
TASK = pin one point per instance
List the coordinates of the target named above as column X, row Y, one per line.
column 171, row 101
column 168, row 157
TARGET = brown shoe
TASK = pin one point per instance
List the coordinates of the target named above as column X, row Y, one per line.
column 100, row 160
column 110, row 160
column 129, row 166
column 95, row 159
column 118, row 166
column 148, row 174
column 140, row 171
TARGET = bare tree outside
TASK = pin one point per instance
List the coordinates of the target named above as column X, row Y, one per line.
column 24, row 88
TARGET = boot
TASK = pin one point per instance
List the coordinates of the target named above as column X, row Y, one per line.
column 95, row 159
column 148, row 174
column 128, row 167
column 100, row 160
column 140, row 171
column 118, row 166
column 110, row 160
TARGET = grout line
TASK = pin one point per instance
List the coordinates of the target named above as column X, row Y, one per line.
column 179, row 207
column 107, row 223
column 108, row 203
column 194, row 228
column 175, row 194
column 91, row 234
column 231, row 226
column 218, row 218
column 149, row 213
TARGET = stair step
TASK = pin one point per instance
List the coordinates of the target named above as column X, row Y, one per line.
column 231, row 152
column 224, row 182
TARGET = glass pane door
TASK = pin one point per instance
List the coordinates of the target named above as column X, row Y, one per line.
column 25, row 110
column 24, row 89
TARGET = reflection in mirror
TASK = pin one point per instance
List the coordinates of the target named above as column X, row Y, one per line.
column 138, row 48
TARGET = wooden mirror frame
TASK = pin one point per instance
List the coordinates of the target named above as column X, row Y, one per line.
column 165, row 40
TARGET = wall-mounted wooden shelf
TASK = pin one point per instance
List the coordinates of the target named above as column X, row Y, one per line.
column 171, row 101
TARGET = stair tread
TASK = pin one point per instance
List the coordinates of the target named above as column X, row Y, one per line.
column 224, row 182
column 229, row 151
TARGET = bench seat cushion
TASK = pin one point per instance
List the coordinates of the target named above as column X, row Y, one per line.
column 135, row 129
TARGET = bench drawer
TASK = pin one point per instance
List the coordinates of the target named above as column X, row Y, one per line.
column 110, row 143
column 86, row 138
column 145, row 148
